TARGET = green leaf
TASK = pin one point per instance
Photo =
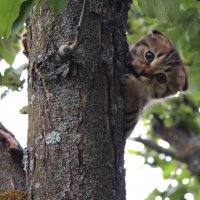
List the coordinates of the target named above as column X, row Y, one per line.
column 25, row 9
column 24, row 110
column 11, row 78
column 194, row 79
column 177, row 192
column 168, row 170
column 6, row 54
column 20, row 69
column 9, row 48
column 165, row 10
column 190, row 4
column 193, row 30
column 24, row 14
column 4, row 94
column 9, row 12
column 57, row 6
column 168, row 122
column 147, row 7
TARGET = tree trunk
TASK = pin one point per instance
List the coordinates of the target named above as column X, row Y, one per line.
column 76, row 139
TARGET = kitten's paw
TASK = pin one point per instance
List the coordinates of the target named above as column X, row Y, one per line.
column 128, row 82
column 128, row 79
column 125, row 79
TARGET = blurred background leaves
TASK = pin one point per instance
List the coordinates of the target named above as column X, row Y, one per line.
column 177, row 120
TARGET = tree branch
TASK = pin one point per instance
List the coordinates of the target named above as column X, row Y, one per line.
column 185, row 142
column 158, row 148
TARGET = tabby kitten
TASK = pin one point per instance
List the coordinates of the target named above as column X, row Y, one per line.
column 155, row 71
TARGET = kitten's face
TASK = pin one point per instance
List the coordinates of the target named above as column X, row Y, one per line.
column 155, row 58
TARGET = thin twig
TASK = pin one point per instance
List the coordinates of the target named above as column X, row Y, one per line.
column 158, row 148
column 80, row 25
column 67, row 49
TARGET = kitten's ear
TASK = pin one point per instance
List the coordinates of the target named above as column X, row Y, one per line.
column 157, row 32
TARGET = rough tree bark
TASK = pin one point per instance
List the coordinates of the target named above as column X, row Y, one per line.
column 76, row 140
column 12, row 176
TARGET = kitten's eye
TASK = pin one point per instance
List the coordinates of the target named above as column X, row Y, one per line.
column 149, row 56
column 161, row 78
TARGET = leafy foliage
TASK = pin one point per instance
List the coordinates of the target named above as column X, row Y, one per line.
column 13, row 15
column 24, row 110
column 180, row 110
column 11, row 79
column 9, row 48
column 165, row 11
column 9, row 12
column 25, row 10
column 180, row 20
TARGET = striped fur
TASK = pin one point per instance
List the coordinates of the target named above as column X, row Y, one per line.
column 156, row 78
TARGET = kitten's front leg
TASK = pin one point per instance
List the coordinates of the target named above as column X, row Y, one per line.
column 130, row 89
